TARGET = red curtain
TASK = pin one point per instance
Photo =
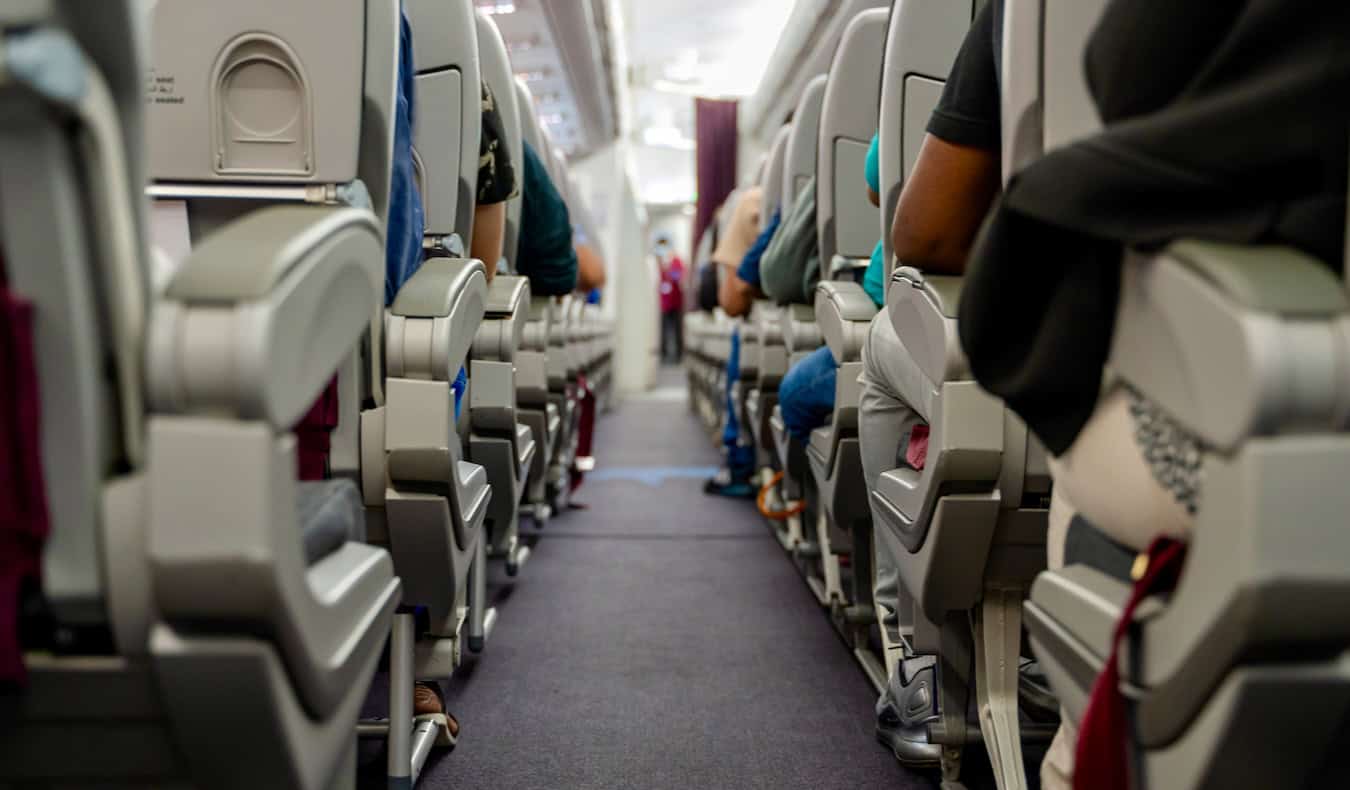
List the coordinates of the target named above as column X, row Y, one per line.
column 717, row 143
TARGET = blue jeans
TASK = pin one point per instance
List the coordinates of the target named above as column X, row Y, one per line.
column 806, row 395
column 740, row 455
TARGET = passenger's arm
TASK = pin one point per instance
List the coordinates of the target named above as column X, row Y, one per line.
column 489, row 227
column 734, row 294
column 942, row 205
column 590, row 268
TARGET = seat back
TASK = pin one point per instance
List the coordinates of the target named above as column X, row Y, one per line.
column 922, row 39
column 495, row 66
column 447, row 131
column 1045, row 98
column 773, row 175
column 71, row 221
column 845, row 220
column 800, row 164
column 1251, row 642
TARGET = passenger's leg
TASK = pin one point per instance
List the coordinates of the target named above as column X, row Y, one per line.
column 734, row 478
column 677, row 329
column 895, row 398
column 806, row 394
column 892, row 387
column 1057, row 767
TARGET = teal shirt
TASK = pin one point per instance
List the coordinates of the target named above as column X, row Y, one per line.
column 874, row 278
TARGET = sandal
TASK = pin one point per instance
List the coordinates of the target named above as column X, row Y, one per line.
column 429, row 705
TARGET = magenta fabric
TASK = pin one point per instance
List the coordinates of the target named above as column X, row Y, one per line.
column 24, row 520
column 916, row 452
column 717, row 141
column 313, row 435
column 672, row 274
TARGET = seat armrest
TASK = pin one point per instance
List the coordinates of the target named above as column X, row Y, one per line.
column 800, row 332
column 923, row 309
column 844, row 312
column 508, row 296
column 437, row 287
column 260, row 315
column 1235, row 341
column 502, row 333
column 435, row 318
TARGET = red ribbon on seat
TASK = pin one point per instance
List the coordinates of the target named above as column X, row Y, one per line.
column 1102, row 757
column 24, row 520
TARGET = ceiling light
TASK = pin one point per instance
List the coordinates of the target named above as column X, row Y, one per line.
column 502, row 7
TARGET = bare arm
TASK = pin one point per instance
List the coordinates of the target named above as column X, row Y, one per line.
column 489, row 227
column 942, row 205
column 590, row 268
column 734, row 294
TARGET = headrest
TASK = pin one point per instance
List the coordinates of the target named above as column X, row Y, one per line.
column 1046, row 102
column 800, row 163
column 252, row 91
column 921, row 44
column 773, row 175
column 495, row 66
column 846, row 223
column 448, row 122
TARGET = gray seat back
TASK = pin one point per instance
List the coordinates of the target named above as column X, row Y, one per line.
column 495, row 66
column 71, row 218
column 773, row 175
column 922, row 39
column 800, row 164
column 447, row 128
column 845, row 220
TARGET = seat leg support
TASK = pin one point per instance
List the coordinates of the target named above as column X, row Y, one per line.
column 401, row 701
column 478, row 598
column 998, row 651
column 829, row 562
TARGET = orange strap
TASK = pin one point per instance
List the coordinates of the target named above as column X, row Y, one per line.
column 776, row 515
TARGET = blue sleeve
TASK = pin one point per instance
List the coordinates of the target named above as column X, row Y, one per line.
column 748, row 271
column 872, row 170
column 461, row 384
column 874, row 278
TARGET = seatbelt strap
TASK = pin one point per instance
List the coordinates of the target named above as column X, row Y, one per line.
column 1101, row 760
column 24, row 520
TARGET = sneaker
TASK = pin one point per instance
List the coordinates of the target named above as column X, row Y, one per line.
column 727, row 484
column 906, row 709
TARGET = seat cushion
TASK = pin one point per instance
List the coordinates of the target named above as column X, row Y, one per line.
column 329, row 513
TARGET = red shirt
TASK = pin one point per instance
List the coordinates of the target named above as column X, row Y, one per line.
column 671, row 275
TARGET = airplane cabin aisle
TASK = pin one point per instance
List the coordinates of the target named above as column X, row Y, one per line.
column 661, row 639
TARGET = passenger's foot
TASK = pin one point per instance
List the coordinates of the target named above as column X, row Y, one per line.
column 729, row 484
column 427, row 701
column 906, row 709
